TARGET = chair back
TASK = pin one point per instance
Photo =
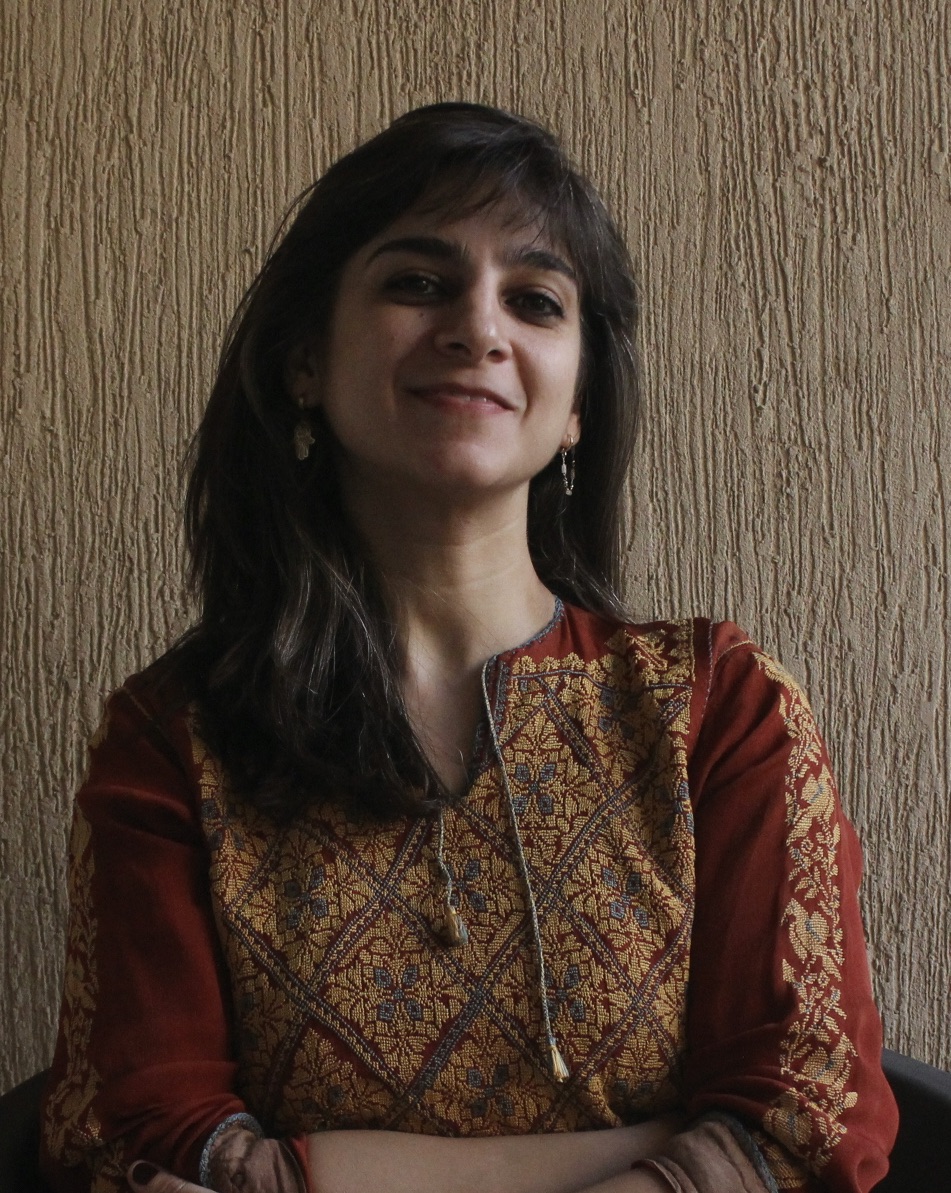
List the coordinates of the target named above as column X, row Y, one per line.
column 921, row 1160
column 20, row 1136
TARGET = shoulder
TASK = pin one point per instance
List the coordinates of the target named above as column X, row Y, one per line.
column 713, row 671
column 161, row 699
column 678, row 651
column 147, row 736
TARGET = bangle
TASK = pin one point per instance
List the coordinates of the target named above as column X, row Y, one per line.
column 667, row 1177
column 233, row 1120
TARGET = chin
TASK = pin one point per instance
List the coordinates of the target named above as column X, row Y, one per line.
column 471, row 479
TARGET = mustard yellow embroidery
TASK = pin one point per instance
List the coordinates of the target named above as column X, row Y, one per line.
column 816, row 1056
column 72, row 1130
column 71, row 1125
column 349, row 1012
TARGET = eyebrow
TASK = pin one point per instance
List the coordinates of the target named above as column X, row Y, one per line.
column 448, row 250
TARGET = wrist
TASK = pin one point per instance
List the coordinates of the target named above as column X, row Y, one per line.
column 654, row 1175
column 237, row 1158
column 640, row 1179
column 221, row 1143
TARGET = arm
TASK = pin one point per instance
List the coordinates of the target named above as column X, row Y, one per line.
column 143, row 1062
column 782, row 1030
column 352, row 1162
column 144, row 1066
column 782, row 1075
column 355, row 1161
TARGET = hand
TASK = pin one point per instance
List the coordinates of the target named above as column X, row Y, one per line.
column 144, row 1177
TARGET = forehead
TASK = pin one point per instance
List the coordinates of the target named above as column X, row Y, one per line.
column 506, row 220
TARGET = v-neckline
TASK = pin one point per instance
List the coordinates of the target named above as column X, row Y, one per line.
column 490, row 695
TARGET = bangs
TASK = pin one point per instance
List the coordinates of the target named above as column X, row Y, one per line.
column 525, row 195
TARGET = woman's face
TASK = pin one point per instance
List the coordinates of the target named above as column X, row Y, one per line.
column 453, row 356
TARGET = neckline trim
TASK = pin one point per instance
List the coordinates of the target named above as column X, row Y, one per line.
column 546, row 629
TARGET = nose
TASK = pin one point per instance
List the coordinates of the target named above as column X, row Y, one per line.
column 472, row 327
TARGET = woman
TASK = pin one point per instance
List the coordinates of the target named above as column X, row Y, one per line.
column 414, row 849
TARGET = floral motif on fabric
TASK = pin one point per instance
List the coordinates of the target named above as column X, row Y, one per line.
column 816, row 1056
column 71, row 1126
column 346, row 1009
column 352, row 1013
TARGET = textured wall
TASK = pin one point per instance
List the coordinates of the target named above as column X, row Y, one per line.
column 781, row 170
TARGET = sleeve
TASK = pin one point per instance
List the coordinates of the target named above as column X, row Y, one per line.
column 144, row 1066
column 782, row 1032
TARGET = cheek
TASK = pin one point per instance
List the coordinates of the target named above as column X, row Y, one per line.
column 352, row 368
column 377, row 346
column 562, row 374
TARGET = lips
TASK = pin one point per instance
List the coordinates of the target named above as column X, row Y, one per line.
column 453, row 390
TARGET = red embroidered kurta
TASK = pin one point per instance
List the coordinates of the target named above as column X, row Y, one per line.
column 695, row 883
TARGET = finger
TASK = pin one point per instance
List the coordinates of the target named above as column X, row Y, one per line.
column 147, row 1178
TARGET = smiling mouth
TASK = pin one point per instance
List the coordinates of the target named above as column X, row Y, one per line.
column 464, row 393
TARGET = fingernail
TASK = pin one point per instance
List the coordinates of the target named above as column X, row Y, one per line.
column 142, row 1172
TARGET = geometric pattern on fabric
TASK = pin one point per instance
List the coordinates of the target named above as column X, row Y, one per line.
column 351, row 1011
column 667, row 779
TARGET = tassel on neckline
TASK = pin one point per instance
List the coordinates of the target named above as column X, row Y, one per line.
column 559, row 1070
column 455, row 932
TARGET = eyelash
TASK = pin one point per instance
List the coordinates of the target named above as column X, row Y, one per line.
column 422, row 287
column 552, row 308
column 408, row 283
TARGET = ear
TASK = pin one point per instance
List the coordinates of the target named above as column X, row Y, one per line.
column 302, row 377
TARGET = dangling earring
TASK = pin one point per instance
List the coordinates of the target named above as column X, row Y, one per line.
column 568, row 474
column 303, row 434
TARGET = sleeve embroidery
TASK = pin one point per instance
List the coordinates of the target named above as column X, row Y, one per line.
column 816, row 1055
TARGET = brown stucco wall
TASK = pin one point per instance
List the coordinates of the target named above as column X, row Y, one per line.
column 781, row 170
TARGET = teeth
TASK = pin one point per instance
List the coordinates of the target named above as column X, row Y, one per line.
column 455, row 394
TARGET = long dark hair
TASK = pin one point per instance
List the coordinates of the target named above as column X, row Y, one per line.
column 294, row 661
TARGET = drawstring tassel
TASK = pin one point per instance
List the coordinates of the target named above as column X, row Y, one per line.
column 559, row 1070
column 556, row 1062
column 455, row 932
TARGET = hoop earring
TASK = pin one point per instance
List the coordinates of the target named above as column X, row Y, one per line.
column 303, row 435
column 568, row 473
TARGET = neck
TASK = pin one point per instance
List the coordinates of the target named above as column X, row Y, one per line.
column 459, row 579
column 460, row 582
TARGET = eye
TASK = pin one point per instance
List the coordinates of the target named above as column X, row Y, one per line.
column 538, row 304
column 414, row 285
